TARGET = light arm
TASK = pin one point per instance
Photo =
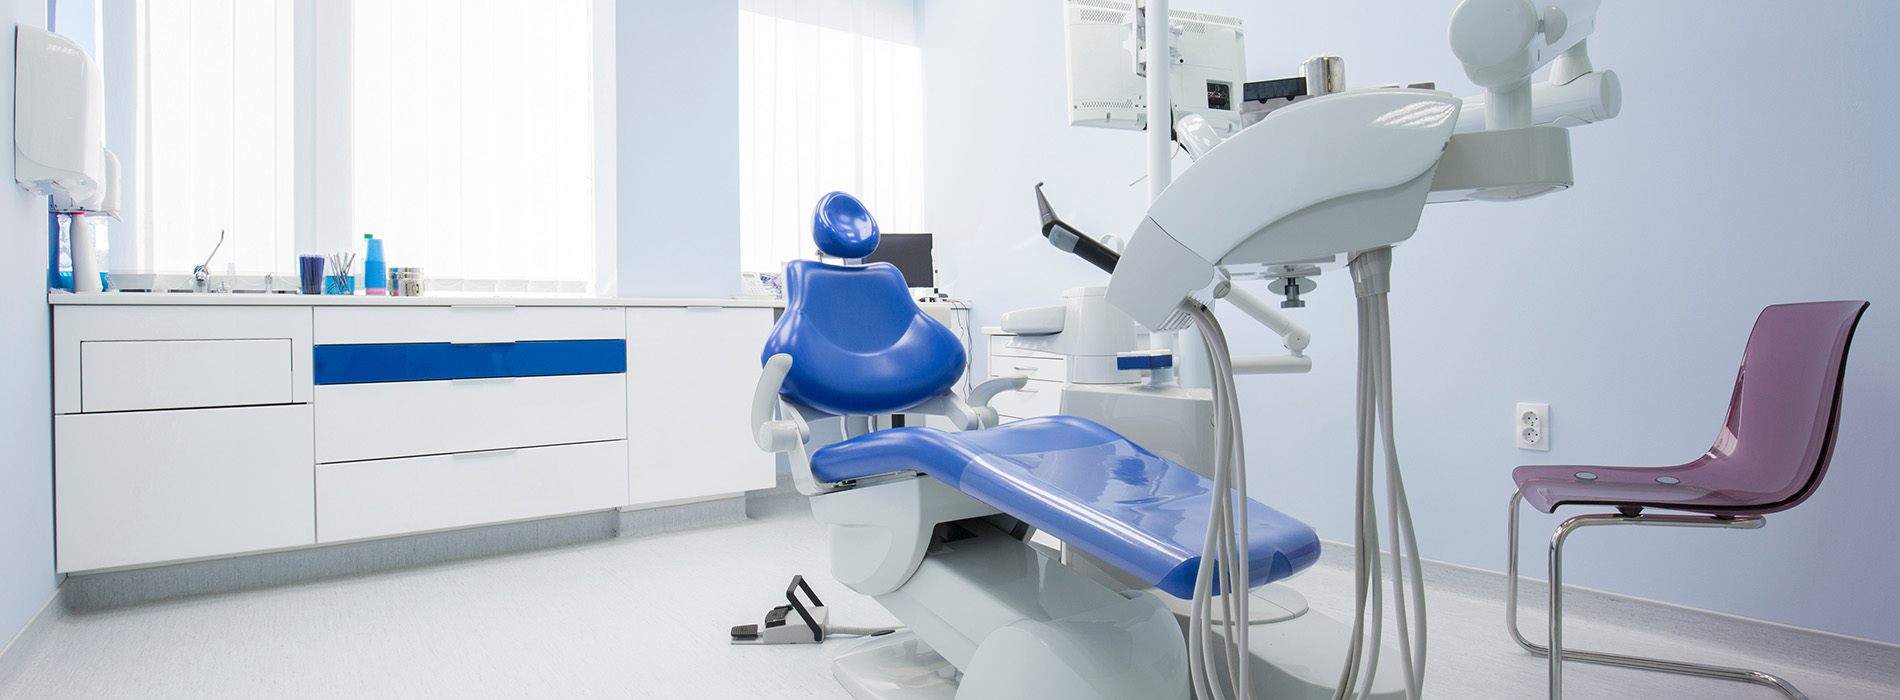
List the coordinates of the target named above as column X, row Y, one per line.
column 1291, row 333
column 1502, row 42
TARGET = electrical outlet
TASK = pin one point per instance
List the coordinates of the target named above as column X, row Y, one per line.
column 1533, row 426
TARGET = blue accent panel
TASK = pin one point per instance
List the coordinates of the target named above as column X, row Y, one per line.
column 1087, row 486
column 54, row 278
column 1144, row 362
column 859, row 344
column 411, row 362
column 843, row 227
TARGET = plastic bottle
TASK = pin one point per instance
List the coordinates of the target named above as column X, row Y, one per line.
column 375, row 274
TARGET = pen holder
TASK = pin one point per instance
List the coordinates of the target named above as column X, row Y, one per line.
column 332, row 285
column 310, row 274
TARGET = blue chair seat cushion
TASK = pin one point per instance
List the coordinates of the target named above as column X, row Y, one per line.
column 1087, row 486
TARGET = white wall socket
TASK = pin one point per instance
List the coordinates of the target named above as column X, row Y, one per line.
column 1532, row 426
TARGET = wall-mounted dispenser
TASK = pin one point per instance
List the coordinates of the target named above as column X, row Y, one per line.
column 59, row 138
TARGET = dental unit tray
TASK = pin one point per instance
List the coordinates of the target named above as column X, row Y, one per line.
column 776, row 630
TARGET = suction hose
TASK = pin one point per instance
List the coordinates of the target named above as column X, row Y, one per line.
column 1371, row 273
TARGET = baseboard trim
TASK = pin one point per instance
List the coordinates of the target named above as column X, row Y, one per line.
column 685, row 516
column 96, row 591
column 13, row 656
column 1844, row 654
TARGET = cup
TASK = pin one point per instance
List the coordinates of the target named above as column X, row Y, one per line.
column 310, row 273
column 405, row 281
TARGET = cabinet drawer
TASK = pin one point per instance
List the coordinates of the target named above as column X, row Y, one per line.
column 142, row 375
column 999, row 347
column 473, row 323
column 155, row 486
column 407, row 419
column 1038, row 398
column 1044, row 368
column 153, row 368
column 396, row 496
column 408, row 362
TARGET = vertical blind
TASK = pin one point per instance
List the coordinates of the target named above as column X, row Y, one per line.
column 218, row 80
column 830, row 98
column 471, row 139
column 474, row 140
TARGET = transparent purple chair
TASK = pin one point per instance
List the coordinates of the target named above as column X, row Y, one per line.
column 1770, row 456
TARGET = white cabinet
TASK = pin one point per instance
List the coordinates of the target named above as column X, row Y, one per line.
column 1042, row 395
column 150, row 486
column 404, row 419
column 396, row 496
column 195, row 428
column 690, row 377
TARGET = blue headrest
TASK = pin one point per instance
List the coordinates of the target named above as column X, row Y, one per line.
column 859, row 344
column 842, row 227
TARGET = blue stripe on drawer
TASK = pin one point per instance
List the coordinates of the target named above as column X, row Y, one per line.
column 409, row 362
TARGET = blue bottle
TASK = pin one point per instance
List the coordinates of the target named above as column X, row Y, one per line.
column 375, row 274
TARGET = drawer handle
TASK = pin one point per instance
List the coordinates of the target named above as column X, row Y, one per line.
column 470, row 380
column 484, row 453
column 1021, row 368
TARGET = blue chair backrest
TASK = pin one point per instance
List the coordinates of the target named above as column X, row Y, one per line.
column 859, row 344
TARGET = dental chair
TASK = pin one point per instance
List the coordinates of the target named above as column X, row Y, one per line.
column 934, row 524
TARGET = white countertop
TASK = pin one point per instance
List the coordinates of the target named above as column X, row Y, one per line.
column 244, row 299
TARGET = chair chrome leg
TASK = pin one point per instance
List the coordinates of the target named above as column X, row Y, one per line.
column 1556, row 604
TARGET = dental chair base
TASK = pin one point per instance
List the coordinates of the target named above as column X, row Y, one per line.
column 1017, row 624
column 1296, row 652
column 977, row 597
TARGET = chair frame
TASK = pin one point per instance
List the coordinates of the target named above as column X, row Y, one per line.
column 1557, row 653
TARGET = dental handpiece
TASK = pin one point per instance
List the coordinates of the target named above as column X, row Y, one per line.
column 1065, row 238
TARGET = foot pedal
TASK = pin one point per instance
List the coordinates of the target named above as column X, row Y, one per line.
column 780, row 628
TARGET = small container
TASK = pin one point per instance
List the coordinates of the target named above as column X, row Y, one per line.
column 310, row 274
column 374, row 276
column 405, row 281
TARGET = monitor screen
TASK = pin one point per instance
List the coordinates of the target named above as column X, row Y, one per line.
column 910, row 252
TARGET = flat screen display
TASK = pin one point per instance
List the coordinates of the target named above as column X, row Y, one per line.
column 910, row 252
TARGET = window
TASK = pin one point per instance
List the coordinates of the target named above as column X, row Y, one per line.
column 218, row 80
column 466, row 143
column 474, row 140
column 830, row 98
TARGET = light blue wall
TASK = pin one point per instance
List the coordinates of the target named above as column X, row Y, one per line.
column 678, row 102
column 1752, row 165
column 26, row 431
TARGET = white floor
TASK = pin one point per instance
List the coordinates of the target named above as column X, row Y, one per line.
column 648, row 617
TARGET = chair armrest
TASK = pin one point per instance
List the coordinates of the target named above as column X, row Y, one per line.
column 770, row 434
column 981, row 395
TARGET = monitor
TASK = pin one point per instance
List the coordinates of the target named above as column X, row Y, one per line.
column 910, row 252
column 1207, row 78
